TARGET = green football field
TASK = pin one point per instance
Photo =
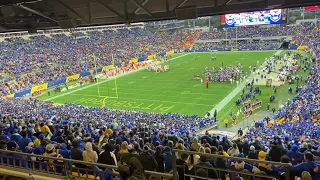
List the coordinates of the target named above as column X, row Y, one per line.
column 173, row 91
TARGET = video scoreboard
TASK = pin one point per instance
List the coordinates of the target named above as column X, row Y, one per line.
column 273, row 16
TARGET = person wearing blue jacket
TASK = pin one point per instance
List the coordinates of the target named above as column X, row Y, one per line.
column 23, row 143
column 14, row 159
column 294, row 155
column 65, row 153
column 167, row 155
column 15, row 136
column 155, row 138
column 3, row 137
column 309, row 165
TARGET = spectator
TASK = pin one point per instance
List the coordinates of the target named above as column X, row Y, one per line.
column 167, row 159
column 159, row 157
column 202, row 171
column 148, row 161
column 23, row 143
column 252, row 153
column 233, row 151
column 89, row 155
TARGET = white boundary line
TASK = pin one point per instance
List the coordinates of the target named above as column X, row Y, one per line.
column 131, row 72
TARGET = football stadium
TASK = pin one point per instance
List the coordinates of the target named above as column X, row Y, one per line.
column 231, row 94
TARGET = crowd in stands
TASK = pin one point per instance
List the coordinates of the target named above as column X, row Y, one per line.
column 253, row 31
column 116, row 137
column 41, row 58
column 296, row 31
column 239, row 45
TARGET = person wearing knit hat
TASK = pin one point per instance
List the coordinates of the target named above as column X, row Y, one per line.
column 252, row 153
column 262, row 166
column 167, row 155
column 147, row 160
column 220, row 149
column 12, row 146
column 37, row 142
column 125, row 158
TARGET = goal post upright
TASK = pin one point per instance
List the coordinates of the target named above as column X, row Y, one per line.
column 115, row 79
column 105, row 98
column 95, row 67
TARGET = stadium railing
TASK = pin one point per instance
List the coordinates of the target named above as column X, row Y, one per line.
column 57, row 168
column 228, row 159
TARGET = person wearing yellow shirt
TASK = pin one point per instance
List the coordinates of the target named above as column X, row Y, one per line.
column 45, row 129
column 226, row 123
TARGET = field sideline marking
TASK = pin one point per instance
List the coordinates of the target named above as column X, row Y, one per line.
column 76, row 90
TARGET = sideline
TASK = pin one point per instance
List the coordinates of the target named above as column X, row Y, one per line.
column 226, row 100
column 109, row 79
column 233, row 93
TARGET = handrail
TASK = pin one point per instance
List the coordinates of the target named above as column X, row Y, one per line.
column 167, row 175
column 65, row 160
column 286, row 165
column 231, row 158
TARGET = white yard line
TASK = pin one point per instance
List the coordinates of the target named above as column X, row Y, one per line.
column 109, row 79
column 233, row 93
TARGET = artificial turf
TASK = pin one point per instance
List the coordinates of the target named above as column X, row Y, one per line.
column 173, row 91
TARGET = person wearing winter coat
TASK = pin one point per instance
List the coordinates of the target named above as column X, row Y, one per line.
column 195, row 145
column 233, row 151
column 15, row 136
column 54, row 164
column 205, row 164
column 241, row 166
column 65, row 153
column 89, row 155
column 148, row 162
column 252, row 153
column 294, row 155
column 76, row 154
column 24, row 141
column 107, row 156
column 275, row 152
column 309, row 165
column 167, row 155
column 158, row 156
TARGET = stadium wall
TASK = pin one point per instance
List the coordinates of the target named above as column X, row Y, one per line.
column 74, row 77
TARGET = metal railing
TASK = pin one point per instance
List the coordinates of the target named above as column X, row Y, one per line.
column 225, row 171
column 59, row 167
column 62, row 167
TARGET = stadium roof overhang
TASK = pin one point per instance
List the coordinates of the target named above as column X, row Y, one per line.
column 18, row 15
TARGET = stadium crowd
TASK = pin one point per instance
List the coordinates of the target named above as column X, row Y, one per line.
column 297, row 31
column 239, row 45
column 117, row 137
column 39, row 59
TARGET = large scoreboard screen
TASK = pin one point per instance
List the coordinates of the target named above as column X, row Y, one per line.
column 273, row 16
